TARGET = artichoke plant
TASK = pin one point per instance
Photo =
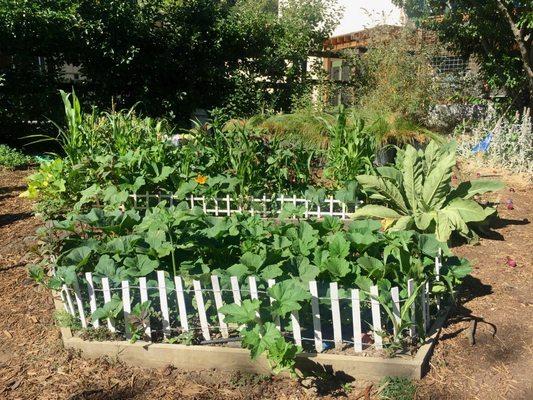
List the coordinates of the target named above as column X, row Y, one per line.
column 417, row 193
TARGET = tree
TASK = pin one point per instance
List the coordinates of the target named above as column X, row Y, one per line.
column 499, row 33
column 170, row 56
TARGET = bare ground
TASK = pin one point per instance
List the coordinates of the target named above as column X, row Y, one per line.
column 33, row 363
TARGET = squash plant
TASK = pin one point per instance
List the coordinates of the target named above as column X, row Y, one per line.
column 417, row 193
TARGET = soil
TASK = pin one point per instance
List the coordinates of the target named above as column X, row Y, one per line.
column 34, row 365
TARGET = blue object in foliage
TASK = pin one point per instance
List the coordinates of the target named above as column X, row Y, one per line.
column 483, row 145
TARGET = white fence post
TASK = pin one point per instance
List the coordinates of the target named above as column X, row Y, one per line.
column 163, row 302
column 410, row 291
column 126, row 305
column 107, row 299
column 376, row 317
column 235, row 289
column 218, row 304
column 79, row 303
column 181, row 303
column 69, row 301
column 144, row 298
column 92, row 297
column 336, row 314
column 356, row 319
column 201, row 309
column 316, row 316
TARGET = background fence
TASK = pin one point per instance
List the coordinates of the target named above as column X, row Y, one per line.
column 264, row 206
column 333, row 317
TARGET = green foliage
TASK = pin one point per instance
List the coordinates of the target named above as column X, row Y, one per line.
column 351, row 149
column 394, row 78
column 397, row 388
column 417, row 193
column 263, row 337
column 11, row 158
column 496, row 32
column 138, row 320
column 246, row 57
column 66, row 320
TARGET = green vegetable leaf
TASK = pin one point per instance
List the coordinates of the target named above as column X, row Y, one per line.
column 287, row 295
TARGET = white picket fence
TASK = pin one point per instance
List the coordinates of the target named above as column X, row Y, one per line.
column 79, row 304
column 263, row 206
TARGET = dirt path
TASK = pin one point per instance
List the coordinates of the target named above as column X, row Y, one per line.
column 33, row 364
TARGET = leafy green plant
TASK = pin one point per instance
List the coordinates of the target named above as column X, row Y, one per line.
column 138, row 320
column 351, row 149
column 417, row 193
column 66, row 320
column 12, row 158
column 397, row 388
column 262, row 336
column 110, row 310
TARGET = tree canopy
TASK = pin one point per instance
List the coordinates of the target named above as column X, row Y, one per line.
column 499, row 33
column 170, row 56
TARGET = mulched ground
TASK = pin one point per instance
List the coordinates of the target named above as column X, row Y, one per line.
column 34, row 365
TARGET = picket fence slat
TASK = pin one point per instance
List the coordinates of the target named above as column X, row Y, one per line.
column 79, row 303
column 395, row 295
column 181, row 303
column 107, row 298
column 69, row 301
column 64, row 300
column 126, row 304
column 218, row 304
column 92, row 297
column 163, row 302
column 356, row 320
column 336, row 314
column 201, row 309
column 316, row 316
column 410, row 291
column 296, row 328
column 437, row 275
column 144, row 298
column 236, row 290
column 270, row 283
column 376, row 317
column 426, row 304
column 252, row 283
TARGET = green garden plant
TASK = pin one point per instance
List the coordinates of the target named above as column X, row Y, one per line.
column 11, row 158
column 417, row 193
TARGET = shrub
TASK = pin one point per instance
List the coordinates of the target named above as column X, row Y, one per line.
column 508, row 141
column 11, row 158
